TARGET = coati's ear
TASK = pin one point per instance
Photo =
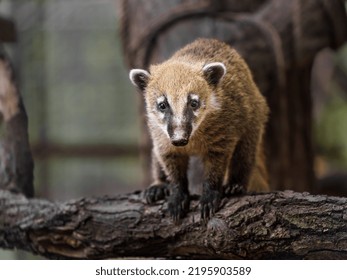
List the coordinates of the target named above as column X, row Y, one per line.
column 214, row 72
column 139, row 78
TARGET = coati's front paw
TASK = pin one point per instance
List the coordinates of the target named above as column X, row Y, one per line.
column 156, row 192
column 233, row 189
column 178, row 204
column 209, row 203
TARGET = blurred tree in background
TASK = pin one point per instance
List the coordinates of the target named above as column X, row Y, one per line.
column 83, row 116
column 83, row 123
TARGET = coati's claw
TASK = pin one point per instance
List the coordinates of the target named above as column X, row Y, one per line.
column 178, row 204
column 233, row 189
column 209, row 203
column 156, row 192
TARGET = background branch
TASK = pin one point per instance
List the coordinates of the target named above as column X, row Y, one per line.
column 16, row 163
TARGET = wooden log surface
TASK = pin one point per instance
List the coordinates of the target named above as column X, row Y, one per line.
column 279, row 225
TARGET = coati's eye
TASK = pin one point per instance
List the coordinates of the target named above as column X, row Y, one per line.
column 194, row 104
column 162, row 106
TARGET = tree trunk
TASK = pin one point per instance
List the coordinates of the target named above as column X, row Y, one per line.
column 279, row 39
column 16, row 164
column 282, row 225
column 8, row 31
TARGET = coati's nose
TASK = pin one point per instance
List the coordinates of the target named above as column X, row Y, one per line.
column 179, row 142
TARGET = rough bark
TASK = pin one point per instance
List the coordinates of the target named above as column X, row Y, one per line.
column 16, row 163
column 281, row 225
column 279, row 39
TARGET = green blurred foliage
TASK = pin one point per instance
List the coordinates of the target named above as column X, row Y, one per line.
column 331, row 131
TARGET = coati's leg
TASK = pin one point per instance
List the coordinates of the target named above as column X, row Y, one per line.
column 159, row 188
column 242, row 163
column 176, row 169
column 215, row 165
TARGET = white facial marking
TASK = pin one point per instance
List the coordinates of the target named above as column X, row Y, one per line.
column 178, row 120
column 160, row 99
column 161, row 115
column 153, row 119
column 178, row 134
column 194, row 97
column 164, row 129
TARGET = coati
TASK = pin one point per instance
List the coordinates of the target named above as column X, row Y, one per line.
column 203, row 102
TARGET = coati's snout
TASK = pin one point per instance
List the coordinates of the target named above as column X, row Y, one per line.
column 176, row 117
column 179, row 131
column 179, row 139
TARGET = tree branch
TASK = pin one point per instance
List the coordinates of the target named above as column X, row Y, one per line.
column 16, row 163
column 281, row 225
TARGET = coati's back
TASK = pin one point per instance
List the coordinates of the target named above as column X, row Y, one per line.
column 203, row 102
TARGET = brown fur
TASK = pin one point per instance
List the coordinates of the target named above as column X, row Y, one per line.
column 229, row 126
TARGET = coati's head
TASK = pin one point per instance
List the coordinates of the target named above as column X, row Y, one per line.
column 179, row 95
